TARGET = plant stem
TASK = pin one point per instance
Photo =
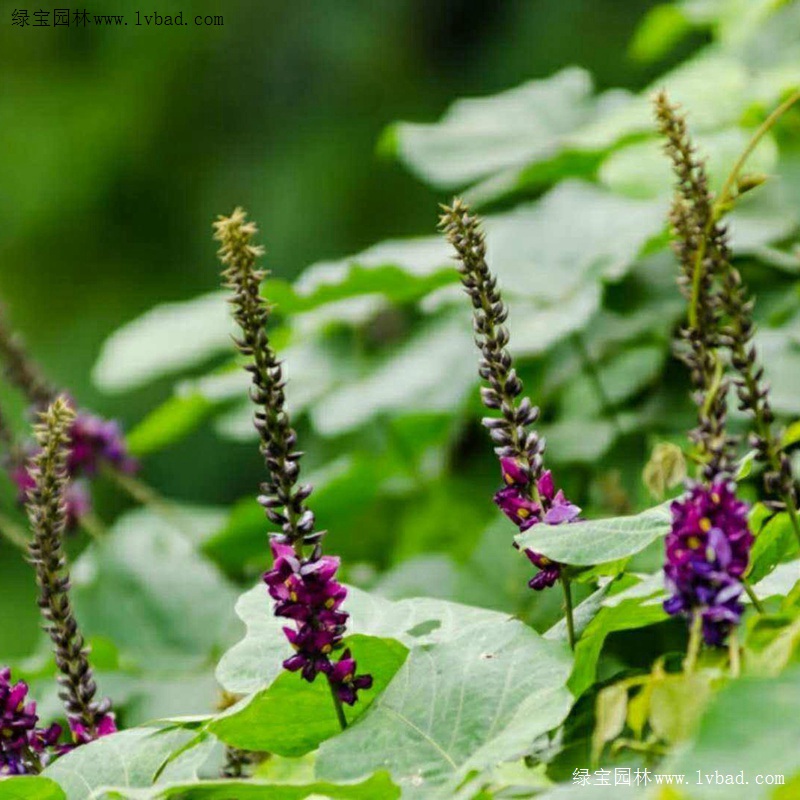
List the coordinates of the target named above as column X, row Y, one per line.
column 761, row 131
column 568, row 610
column 337, row 704
column 695, row 640
column 752, row 595
column 719, row 204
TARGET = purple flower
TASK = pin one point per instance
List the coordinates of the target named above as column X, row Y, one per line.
column 521, row 510
column 553, row 508
column 306, row 592
column 344, row 680
column 23, row 746
column 93, row 441
column 707, row 552
column 82, row 735
column 77, row 497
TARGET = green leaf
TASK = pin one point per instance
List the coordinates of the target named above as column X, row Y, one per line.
column 627, row 614
column 173, row 602
column 641, row 169
column 677, row 703
column 480, row 136
column 378, row 786
column 427, row 373
column 774, row 542
column 254, row 662
column 456, row 708
column 610, row 712
column 661, row 29
column 168, row 423
column 30, row 788
column 292, row 717
column 170, row 337
column 127, row 759
column 750, row 726
column 590, row 542
column 771, row 644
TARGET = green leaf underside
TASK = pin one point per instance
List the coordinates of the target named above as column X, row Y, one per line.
column 589, row 542
column 378, row 786
column 127, row 759
column 254, row 662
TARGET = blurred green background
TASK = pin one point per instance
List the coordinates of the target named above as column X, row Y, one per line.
column 118, row 146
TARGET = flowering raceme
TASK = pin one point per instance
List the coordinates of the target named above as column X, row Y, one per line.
column 552, row 508
column 23, row 746
column 707, row 552
column 302, row 581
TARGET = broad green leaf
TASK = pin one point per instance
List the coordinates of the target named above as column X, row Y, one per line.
column 131, row 758
column 579, row 441
column 168, row 423
column 30, row 788
column 625, row 615
column 771, row 643
column 428, row 373
column 378, row 786
column 661, row 29
column 254, row 662
column 774, row 542
column 145, row 571
column 677, row 703
column 400, row 269
column 292, row 717
column 170, row 337
column 641, row 169
column 780, row 354
column 751, row 727
column 480, row 136
column 455, row 708
column 590, row 542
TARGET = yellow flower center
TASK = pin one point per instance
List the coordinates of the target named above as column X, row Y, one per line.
column 705, row 524
column 524, row 513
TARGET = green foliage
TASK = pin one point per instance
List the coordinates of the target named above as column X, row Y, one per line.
column 468, row 701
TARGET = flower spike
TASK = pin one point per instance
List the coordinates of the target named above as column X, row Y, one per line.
column 528, row 496
column 302, row 581
column 47, row 511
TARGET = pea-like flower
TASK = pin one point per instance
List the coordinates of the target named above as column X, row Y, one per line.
column 95, row 441
column 23, row 746
column 552, row 508
column 344, row 680
column 707, row 552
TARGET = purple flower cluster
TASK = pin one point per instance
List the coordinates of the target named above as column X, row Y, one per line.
column 707, row 552
column 105, row 726
column 93, row 441
column 305, row 591
column 552, row 508
column 23, row 746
